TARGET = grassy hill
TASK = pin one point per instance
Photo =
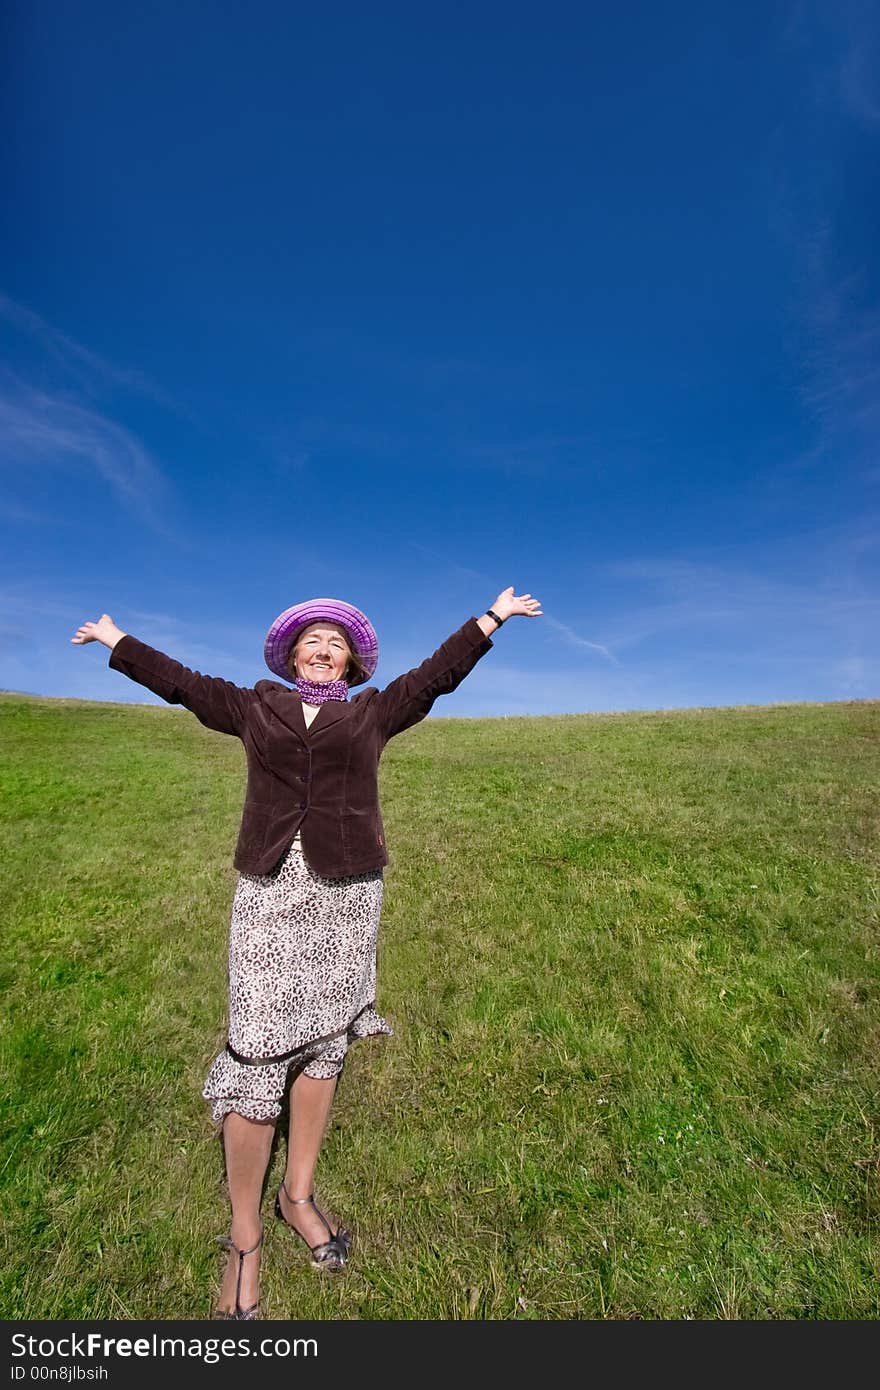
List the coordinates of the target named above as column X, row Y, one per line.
column 632, row 962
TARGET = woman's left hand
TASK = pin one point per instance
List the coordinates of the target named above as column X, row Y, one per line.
column 510, row 605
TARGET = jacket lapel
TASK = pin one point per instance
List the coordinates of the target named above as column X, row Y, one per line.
column 329, row 713
column 286, row 705
column 287, row 708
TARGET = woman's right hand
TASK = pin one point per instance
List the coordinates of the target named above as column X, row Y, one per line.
column 104, row 630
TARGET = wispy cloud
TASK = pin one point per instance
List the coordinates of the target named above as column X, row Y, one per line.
column 859, row 61
column 528, row 456
column 572, row 637
column 221, row 639
column 843, row 43
column 86, row 366
column 60, row 425
column 11, row 511
column 837, row 328
column 36, row 652
column 841, row 383
column 442, row 561
column 38, row 427
column 725, row 604
column 568, row 633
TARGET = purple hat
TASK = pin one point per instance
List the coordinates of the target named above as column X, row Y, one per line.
column 289, row 624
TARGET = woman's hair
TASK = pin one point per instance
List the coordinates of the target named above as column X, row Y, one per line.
column 355, row 672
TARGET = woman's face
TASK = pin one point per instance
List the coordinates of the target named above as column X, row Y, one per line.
column 322, row 652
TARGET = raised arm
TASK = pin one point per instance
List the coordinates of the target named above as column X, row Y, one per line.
column 217, row 703
column 409, row 698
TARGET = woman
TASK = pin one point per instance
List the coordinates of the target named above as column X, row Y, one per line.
column 305, row 917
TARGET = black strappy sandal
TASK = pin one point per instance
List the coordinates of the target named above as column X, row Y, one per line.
column 331, row 1255
column 240, row 1314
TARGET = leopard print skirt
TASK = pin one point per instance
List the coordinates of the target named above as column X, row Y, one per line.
column 302, row 982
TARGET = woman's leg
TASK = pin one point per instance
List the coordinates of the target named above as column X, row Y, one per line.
column 311, row 1099
column 247, row 1144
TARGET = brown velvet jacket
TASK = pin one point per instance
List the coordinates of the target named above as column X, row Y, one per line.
column 322, row 780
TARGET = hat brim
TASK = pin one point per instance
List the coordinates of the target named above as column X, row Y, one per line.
column 289, row 624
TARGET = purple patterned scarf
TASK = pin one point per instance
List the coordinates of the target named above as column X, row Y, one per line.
column 316, row 692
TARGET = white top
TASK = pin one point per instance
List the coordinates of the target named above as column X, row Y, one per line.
column 309, row 712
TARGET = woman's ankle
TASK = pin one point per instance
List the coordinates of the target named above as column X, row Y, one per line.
column 246, row 1231
column 297, row 1191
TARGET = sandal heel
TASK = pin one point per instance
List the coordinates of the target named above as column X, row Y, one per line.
column 330, row 1255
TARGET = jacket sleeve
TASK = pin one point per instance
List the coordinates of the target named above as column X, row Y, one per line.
column 409, row 698
column 217, row 703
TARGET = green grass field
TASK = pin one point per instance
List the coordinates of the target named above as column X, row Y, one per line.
column 632, row 962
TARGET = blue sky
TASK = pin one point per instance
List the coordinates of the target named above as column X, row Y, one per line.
column 403, row 304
